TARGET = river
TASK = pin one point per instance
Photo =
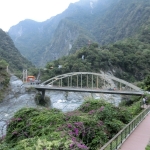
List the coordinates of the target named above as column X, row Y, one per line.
column 17, row 98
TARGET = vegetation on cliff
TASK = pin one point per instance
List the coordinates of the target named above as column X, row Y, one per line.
column 128, row 59
column 4, row 78
column 11, row 55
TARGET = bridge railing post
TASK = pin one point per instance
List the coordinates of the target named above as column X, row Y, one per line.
column 92, row 81
column 68, row 81
column 87, row 81
column 97, row 82
column 81, row 80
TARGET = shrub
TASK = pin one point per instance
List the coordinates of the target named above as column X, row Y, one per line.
column 91, row 104
column 148, row 147
column 87, row 128
column 30, row 122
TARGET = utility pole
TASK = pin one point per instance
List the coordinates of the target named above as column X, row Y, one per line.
column 25, row 75
column 39, row 74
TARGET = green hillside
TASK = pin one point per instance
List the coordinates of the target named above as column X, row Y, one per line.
column 4, row 78
column 123, row 19
column 127, row 59
column 11, row 55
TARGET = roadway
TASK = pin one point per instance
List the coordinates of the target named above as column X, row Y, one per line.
column 78, row 89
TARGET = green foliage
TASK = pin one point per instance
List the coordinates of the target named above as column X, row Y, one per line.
column 147, row 83
column 113, row 117
column 4, row 78
column 129, row 100
column 124, row 59
column 57, row 142
column 90, row 105
column 133, row 105
column 87, row 128
column 3, row 64
column 148, row 147
column 9, row 53
column 135, row 108
column 29, row 122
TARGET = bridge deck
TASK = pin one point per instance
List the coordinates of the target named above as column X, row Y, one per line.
column 74, row 89
column 139, row 139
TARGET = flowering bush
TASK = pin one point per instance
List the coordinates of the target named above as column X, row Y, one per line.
column 87, row 128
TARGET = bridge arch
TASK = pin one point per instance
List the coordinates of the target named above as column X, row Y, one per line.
column 101, row 80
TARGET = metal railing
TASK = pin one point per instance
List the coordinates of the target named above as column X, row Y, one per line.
column 119, row 138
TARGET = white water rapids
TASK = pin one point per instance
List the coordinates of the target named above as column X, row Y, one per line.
column 17, row 98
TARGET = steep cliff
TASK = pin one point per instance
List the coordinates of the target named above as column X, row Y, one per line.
column 11, row 55
column 81, row 23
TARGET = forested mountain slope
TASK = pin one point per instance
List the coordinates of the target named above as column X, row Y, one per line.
column 4, row 78
column 127, row 59
column 11, row 55
column 124, row 19
column 81, row 23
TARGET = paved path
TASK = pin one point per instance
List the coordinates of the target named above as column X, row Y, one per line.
column 139, row 139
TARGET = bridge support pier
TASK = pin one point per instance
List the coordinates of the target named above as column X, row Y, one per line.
column 41, row 99
column 42, row 91
column 43, row 94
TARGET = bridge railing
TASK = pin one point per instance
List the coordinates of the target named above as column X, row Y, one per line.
column 90, row 79
column 116, row 142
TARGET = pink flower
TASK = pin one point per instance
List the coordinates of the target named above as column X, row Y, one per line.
column 19, row 119
column 76, row 131
column 91, row 112
column 69, row 125
column 102, row 108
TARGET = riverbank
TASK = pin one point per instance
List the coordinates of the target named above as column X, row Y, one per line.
column 17, row 98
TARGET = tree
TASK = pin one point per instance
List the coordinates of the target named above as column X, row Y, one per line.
column 3, row 64
column 147, row 83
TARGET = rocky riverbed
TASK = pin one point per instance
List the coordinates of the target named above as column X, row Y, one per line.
column 18, row 97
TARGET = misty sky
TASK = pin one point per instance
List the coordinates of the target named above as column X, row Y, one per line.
column 14, row 11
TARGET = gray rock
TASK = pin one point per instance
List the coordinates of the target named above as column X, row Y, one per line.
column 18, row 98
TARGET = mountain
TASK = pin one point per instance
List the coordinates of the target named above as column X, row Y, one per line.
column 82, row 23
column 127, row 59
column 11, row 55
